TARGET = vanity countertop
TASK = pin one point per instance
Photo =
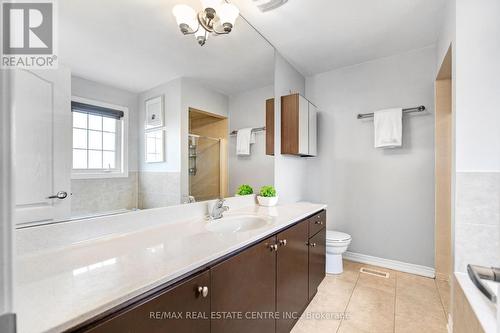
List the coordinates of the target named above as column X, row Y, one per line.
column 59, row 288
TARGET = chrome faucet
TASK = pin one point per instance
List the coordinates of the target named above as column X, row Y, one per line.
column 218, row 209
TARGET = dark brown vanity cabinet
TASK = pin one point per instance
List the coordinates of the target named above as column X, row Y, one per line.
column 317, row 251
column 245, row 285
column 183, row 308
column 291, row 276
column 263, row 288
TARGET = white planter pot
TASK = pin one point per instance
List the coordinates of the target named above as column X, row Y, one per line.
column 267, row 201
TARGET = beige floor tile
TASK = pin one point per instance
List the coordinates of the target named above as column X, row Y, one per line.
column 401, row 303
column 444, row 290
column 310, row 322
column 418, row 306
column 370, row 310
column 378, row 282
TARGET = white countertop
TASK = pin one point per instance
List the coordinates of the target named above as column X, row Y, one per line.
column 59, row 288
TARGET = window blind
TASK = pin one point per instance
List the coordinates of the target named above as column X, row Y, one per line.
column 96, row 110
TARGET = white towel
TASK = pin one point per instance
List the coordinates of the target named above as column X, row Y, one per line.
column 388, row 128
column 244, row 138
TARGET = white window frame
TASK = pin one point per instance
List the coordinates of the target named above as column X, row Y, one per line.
column 97, row 174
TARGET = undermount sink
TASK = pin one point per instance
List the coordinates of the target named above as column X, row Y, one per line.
column 238, row 223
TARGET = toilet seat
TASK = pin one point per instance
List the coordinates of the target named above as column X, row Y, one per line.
column 337, row 237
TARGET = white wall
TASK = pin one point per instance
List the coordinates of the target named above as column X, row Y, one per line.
column 248, row 109
column 477, row 123
column 290, row 172
column 171, row 92
column 383, row 198
column 477, row 85
column 198, row 96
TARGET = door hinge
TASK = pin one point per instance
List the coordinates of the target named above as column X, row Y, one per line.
column 8, row 323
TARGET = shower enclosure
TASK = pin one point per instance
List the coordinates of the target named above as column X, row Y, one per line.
column 204, row 167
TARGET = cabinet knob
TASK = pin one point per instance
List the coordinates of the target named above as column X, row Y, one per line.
column 283, row 242
column 312, row 244
column 319, row 222
column 273, row 247
column 203, row 291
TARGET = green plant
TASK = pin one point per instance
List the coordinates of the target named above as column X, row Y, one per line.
column 245, row 190
column 268, row 191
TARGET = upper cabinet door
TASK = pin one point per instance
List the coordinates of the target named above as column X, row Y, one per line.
column 245, row 284
column 270, row 127
column 298, row 126
column 303, row 126
column 313, row 133
column 42, row 140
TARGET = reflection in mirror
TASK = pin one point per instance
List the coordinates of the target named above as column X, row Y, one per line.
column 139, row 115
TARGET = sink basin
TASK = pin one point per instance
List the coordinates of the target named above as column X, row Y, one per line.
column 238, row 223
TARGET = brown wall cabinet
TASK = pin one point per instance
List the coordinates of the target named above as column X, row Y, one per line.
column 277, row 276
column 298, row 126
column 270, row 127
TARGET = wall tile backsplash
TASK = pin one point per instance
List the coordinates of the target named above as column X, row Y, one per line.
column 477, row 219
column 93, row 196
column 159, row 189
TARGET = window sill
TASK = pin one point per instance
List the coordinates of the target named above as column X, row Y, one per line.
column 102, row 175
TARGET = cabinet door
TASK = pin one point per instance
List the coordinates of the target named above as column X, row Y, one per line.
column 270, row 126
column 303, row 126
column 317, row 253
column 245, row 285
column 292, row 276
column 181, row 309
column 313, row 111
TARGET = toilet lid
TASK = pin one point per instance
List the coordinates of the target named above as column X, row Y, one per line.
column 337, row 236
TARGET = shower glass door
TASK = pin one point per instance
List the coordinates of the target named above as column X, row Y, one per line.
column 204, row 167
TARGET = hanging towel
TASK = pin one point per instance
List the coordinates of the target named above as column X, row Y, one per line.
column 388, row 128
column 244, row 138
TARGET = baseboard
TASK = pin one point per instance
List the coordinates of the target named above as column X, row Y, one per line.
column 391, row 264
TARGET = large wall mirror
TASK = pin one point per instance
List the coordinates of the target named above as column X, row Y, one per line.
column 138, row 115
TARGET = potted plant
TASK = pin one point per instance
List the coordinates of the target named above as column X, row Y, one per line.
column 267, row 196
column 244, row 189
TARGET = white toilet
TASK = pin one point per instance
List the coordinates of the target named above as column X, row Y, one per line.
column 336, row 244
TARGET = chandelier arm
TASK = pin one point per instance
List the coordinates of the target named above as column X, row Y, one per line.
column 217, row 33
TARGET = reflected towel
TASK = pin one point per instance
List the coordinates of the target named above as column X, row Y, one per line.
column 388, row 128
column 244, row 138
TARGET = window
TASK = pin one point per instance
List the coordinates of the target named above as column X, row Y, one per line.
column 99, row 145
column 154, row 146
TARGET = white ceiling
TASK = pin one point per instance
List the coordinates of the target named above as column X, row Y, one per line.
column 136, row 45
column 320, row 35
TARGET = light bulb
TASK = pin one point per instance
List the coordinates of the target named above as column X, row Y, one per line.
column 185, row 15
column 214, row 4
column 228, row 13
column 201, row 36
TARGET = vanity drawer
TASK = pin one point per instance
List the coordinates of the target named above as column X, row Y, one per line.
column 317, row 222
column 184, row 308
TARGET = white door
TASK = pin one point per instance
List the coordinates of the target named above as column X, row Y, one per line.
column 6, row 225
column 41, row 104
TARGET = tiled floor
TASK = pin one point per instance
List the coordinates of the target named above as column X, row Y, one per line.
column 358, row 302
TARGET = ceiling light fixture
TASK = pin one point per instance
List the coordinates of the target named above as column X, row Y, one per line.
column 217, row 18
